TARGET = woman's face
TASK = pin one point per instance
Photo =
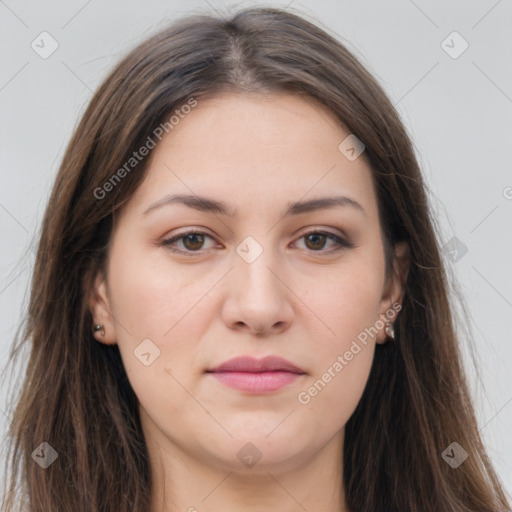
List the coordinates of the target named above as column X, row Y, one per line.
column 259, row 279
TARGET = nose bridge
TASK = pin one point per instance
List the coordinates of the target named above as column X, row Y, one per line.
column 257, row 296
column 253, row 267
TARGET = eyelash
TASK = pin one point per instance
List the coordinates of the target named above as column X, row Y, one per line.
column 342, row 244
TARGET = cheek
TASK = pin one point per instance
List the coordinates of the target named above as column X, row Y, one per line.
column 149, row 295
column 348, row 302
column 331, row 397
column 150, row 306
column 343, row 357
column 152, row 300
column 349, row 305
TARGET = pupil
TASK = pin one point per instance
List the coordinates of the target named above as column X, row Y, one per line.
column 322, row 239
column 193, row 236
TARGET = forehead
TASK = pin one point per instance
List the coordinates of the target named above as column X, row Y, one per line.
column 256, row 150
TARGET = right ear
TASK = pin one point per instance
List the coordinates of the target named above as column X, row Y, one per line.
column 99, row 304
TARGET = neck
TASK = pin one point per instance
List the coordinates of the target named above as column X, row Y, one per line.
column 181, row 482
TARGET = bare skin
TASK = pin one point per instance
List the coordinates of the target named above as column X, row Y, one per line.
column 300, row 299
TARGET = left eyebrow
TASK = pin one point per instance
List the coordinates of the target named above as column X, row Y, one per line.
column 206, row 204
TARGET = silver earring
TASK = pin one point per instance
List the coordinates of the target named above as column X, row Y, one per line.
column 390, row 330
column 99, row 327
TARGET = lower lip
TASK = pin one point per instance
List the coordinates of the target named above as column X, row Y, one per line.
column 252, row 382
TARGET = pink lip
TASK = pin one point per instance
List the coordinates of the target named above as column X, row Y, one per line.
column 256, row 375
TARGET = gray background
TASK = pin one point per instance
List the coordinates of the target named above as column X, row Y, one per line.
column 457, row 110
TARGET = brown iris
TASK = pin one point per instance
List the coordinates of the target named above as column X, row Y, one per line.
column 196, row 239
column 318, row 240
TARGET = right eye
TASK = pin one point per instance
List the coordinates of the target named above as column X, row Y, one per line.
column 192, row 241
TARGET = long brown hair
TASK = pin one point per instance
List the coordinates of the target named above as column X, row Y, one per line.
column 76, row 396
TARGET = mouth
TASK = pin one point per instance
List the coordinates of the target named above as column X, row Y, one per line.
column 257, row 376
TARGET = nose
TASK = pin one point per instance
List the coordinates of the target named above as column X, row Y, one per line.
column 258, row 299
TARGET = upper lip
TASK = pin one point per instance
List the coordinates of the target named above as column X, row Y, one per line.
column 253, row 365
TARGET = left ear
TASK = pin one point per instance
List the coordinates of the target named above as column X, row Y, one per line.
column 395, row 286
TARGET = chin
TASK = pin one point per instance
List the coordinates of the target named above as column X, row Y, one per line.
column 260, row 452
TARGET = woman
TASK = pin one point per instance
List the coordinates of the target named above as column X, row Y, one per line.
column 238, row 301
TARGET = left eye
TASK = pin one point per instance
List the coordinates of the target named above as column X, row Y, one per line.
column 320, row 237
column 193, row 240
